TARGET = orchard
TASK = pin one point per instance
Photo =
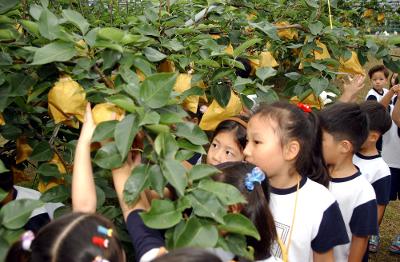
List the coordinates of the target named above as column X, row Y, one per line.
column 147, row 67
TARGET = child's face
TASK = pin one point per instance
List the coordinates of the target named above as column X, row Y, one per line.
column 330, row 148
column 379, row 81
column 224, row 148
column 264, row 147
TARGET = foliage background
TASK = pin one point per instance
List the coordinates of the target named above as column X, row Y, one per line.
column 114, row 51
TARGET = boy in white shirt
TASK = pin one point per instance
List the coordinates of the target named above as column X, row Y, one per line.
column 345, row 128
column 371, row 163
column 379, row 77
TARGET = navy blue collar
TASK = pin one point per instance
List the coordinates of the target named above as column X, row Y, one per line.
column 286, row 191
column 345, row 179
column 368, row 157
column 379, row 92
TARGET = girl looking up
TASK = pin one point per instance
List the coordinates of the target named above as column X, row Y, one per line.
column 285, row 142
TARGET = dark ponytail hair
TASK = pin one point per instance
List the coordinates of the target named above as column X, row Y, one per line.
column 231, row 124
column 256, row 209
column 294, row 123
column 69, row 238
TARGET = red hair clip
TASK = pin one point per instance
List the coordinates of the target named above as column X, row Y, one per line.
column 101, row 242
column 304, row 107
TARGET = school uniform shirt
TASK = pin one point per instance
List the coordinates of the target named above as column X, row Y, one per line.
column 391, row 145
column 377, row 173
column 318, row 224
column 40, row 216
column 357, row 202
column 376, row 95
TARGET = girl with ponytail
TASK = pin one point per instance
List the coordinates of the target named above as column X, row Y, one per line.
column 284, row 140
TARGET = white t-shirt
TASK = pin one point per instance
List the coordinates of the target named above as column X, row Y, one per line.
column 373, row 94
column 391, row 145
column 377, row 173
column 318, row 224
column 27, row 193
column 356, row 199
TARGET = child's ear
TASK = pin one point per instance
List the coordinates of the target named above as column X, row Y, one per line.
column 374, row 136
column 345, row 146
column 291, row 150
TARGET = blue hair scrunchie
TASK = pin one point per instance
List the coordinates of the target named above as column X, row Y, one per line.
column 256, row 176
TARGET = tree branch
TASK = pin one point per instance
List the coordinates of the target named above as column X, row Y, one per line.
column 105, row 79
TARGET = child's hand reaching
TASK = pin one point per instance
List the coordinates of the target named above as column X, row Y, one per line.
column 393, row 79
column 351, row 87
column 395, row 89
column 88, row 126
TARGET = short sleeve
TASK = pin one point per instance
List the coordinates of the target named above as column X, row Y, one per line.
column 382, row 190
column 35, row 223
column 143, row 238
column 332, row 230
column 372, row 98
column 364, row 220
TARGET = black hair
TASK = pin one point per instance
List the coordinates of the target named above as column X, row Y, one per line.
column 69, row 238
column 346, row 121
column 247, row 67
column 256, row 209
column 294, row 123
column 232, row 125
column 396, row 80
column 7, row 178
column 378, row 68
column 188, row 255
column 379, row 118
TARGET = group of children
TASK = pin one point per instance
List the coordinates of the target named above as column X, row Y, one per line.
column 316, row 186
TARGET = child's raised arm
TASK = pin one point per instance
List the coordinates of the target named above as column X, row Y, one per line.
column 351, row 87
column 396, row 110
column 83, row 186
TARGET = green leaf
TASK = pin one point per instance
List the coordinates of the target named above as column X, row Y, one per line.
column 123, row 102
column 108, row 157
column 157, row 180
column 4, row 247
column 7, row 5
column 267, row 28
column 111, row 33
column 185, row 144
column 318, row 85
column 222, row 93
column 124, row 134
column 3, row 169
column 49, row 25
column 42, row 152
column 21, row 83
column 191, row 132
column 77, row 19
column 175, row 174
column 201, row 171
column 166, row 146
column 100, row 196
column 161, row 215
column 237, row 223
column 293, row 76
column 136, row 183
column 158, row 128
column 227, row 194
column 16, row 213
column 173, row 45
column 206, row 204
column 265, row 73
column 156, row 89
column 150, row 118
column 32, row 27
column 54, row 52
column 104, row 130
column 196, row 234
column 240, row 49
column 153, row 55
column 3, row 194
column 56, row 194
column 48, row 170
column 316, row 28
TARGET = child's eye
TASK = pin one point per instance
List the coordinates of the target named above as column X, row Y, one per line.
column 214, row 145
column 229, row 153
column 257, row 142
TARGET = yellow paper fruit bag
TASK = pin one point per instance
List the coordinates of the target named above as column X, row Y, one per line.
column 44, row 186
column 288, row 33
column 352, row 65
column 166, row 66
column 318, row 54
column 215, row 113
column 106, row 112
column 24, row 150
column 310, row 100
column 183, row 83
column 2, row 122
column 67, row 100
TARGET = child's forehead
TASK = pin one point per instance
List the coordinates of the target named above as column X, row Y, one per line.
column 260, row 124
column 378, row 74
